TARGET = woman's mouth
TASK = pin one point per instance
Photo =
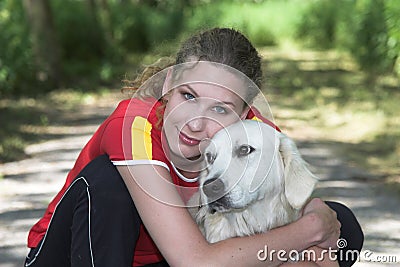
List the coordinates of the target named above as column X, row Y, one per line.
column 188, row 140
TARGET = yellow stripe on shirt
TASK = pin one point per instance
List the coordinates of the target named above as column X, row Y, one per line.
column 256, row 119
column 141, row 139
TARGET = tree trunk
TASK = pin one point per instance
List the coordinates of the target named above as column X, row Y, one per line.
column 44, row 40
column 105, row 16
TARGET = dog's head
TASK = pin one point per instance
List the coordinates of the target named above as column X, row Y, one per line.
column 250, row 161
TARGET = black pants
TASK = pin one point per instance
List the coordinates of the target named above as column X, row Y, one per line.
column 96, row 223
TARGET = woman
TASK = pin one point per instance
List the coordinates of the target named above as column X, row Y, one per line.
column 154, row 140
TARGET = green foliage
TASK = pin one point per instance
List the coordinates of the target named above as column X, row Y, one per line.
column 138, row 28
column 368, row 29
column 253, row 24
column 265, row 23
column 392, row 12
column 371, row 36
column 97, row 42
column 16, row 59
column 318, row 24
column 78, row 31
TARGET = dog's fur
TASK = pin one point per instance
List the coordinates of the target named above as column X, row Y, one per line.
column 255, row 180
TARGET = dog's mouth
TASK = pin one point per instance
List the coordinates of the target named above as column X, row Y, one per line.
column 223, row 205
column 218, row 206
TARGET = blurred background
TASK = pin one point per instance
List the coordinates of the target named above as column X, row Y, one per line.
column 337, row 63
column 332, row 68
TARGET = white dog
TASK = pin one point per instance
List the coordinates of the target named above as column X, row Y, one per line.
column 255, row 180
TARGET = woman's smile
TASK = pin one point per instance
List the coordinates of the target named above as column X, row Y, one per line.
column 188, row 140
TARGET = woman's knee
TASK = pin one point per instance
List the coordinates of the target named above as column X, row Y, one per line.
column 350, row 225
column 351, row 236
column 104, row 181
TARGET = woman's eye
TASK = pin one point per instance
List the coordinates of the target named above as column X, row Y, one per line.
column 188, row 96
column 219, row 110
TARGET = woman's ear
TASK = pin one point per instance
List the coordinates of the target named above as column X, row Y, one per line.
column 165, row 98
column 167, row 84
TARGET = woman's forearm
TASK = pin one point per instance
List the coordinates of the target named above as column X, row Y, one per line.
column 267, row 249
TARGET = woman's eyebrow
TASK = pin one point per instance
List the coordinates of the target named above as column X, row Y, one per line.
column 190, row 89
column 229, row 103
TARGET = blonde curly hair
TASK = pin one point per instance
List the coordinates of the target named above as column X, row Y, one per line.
column 134, row 88
column 221, row 45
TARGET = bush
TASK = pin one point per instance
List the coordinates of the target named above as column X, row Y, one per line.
column 318, row 24
column 78, row 30
column 138, row 28
column 16, row 59
column 368, row 29
column 370, row 41
column 265, row 23
column 392, row 11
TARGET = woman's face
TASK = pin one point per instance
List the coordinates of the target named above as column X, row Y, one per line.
column 195, row 112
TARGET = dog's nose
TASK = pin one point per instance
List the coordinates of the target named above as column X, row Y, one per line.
column 213, row 187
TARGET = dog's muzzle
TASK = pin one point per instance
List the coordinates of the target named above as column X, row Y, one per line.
column 214, row 189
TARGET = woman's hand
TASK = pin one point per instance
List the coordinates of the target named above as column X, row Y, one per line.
column 324, row 223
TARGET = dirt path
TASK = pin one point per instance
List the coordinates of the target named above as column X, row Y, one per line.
column 28, row 185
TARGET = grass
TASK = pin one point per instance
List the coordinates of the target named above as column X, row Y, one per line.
column 13, row 114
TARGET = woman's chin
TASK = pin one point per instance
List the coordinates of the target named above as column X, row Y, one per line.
column 187, row 155
column 190, row 156
column 194, row 158
column 191, row 153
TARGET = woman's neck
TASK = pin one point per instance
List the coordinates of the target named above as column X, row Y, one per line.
column 190, row 175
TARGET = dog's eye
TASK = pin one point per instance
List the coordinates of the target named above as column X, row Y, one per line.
column 245, row 150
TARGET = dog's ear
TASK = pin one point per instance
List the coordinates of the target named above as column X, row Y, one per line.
column 299, row 181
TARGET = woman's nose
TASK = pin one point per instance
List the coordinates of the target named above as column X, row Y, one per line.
column 196, row 124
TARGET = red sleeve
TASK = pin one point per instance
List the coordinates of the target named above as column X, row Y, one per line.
column 132, row 138
column 111, row 142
